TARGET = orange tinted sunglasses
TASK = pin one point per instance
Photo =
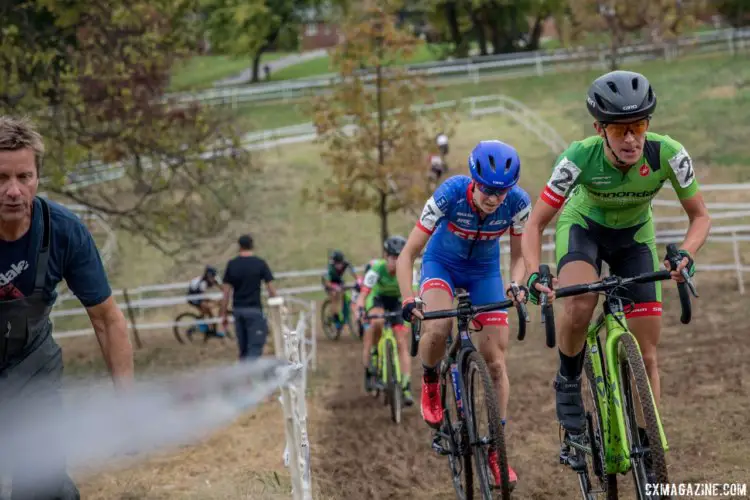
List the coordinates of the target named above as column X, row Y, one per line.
column 620, row 130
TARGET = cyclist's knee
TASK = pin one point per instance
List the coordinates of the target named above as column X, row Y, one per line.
column 439, row 328
column 496, row 366
column 580, row 309
column 377, row 325
column 650, row 360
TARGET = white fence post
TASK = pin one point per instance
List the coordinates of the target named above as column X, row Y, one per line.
column 297, row 452
column 314, row 334
column 738, row 263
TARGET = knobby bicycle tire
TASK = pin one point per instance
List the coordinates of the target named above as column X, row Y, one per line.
column 476, row 365
column 176, row 328
column 631, row 359
column 607, row 481
column 329, row 330
column 459, row 460
column 394, row 385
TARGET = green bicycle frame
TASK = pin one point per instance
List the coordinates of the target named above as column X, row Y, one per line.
column 386, row 336
column 614, row 435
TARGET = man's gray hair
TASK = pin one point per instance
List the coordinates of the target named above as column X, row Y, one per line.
column 20, row 133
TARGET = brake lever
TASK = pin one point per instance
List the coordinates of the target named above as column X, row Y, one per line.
column 674, row 262
column 515, row 290
column 690, row 283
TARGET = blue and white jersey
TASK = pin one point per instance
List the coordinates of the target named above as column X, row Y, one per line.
column 459, row 235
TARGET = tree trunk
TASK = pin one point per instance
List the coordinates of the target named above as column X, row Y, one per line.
column 383, row 213
column 478, row 23
column 536, row 32
column 496, row 19
column 383, row 208
column 613, row 49
column 451, row 15
column 256, row 65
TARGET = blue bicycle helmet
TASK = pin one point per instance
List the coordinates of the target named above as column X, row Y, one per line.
column 495, row 164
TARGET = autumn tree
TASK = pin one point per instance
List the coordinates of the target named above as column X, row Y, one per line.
column 93, row 75
column 375, row 141
column 249, row 28
column 625, row 22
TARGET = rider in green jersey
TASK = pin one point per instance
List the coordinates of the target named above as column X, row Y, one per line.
column 380, row 293
column 604, row 185
column 333, row 281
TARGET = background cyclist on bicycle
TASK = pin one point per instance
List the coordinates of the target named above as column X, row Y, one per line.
column 333, row 281
column 199, row 286
column 609, row 181
column 379, row 294
column 463, row 221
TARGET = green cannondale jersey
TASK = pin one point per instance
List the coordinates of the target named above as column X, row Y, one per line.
column 596, row 189
column 380, row 281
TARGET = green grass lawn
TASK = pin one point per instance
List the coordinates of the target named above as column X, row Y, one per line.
column 202, row 71
column 698, row 105
column 322, row 65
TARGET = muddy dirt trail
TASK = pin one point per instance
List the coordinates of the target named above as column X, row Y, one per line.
column 359, row 453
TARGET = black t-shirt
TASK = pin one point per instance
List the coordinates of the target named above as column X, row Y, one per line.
column 245, row 275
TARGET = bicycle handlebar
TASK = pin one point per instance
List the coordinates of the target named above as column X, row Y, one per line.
column 611, row 282
column 464, row 311
column 386, row 316
column 352, row 286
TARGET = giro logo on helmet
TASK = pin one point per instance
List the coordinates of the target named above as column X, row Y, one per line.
column 629, row 107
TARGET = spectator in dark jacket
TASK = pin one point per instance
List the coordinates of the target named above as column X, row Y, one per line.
column 243, row 275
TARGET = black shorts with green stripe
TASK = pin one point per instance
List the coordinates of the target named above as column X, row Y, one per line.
column 628, row 252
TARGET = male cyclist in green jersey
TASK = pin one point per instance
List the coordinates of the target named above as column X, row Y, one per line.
column 609, row 181
column 380, row 293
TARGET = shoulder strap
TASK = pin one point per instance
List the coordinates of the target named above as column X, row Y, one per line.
column 43, row 257
column 652, row 151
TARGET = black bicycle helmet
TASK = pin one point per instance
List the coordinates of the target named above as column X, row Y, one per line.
column 210, row 271
column 337, row 256
column 621, row 95
column 394, row 244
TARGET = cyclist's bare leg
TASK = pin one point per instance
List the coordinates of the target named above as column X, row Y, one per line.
column 578, row 310
column 335, row 301
column 205, row 308
column 571, row 337
column 647, row 330
column 402, row 335
column 493, row 344
column 372, row 335
column 434, row 332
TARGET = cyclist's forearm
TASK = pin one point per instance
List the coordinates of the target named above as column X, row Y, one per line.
column 224, row 300
column 531, row 248
column 697, row 234
column 362, row 299
column 517, row 268
column 404, row 275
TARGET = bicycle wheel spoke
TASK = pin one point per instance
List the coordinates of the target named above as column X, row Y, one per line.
column 647, row 458
column 456, row 442
column 486, row 430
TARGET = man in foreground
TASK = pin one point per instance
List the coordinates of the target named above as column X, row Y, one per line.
column 42, row 243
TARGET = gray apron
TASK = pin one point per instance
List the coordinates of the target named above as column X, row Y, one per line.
column 30, row 382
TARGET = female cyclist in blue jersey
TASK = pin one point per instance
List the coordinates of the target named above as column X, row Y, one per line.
column 463, row 222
